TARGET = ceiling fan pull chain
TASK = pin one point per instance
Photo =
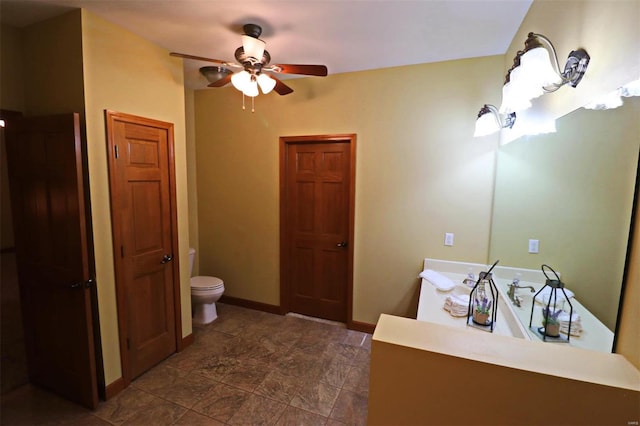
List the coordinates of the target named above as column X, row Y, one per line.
column 253, row 109
column 243, row 101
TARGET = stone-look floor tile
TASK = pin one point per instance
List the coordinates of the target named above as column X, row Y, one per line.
column 158, row 413
column 125, row 405
column 191, row 418
column 216, row 366
column 363, row 358
column 367, row 342
column 335, row 373
column 175, row 385
column 357, row 380
column 189, row 359
column 293, row 416
column 222, row 402
column 247, row 375
column 317, row 398
column 213, row 342
column 343, row 353
column 279, row 387
column 258, row 410
column 350, row 408
column 355, row 338
column 301, row 365
column 334, row 422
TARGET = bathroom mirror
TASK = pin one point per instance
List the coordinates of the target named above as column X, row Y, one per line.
column 573, row 192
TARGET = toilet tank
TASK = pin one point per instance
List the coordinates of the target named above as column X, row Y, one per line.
column 192, row 256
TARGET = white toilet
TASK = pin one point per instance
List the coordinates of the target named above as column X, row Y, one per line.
column 205, row 292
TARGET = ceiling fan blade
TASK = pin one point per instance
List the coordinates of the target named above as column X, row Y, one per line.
column 280, row 87
column 200, row 58
column 318, row 70
column 221, row 82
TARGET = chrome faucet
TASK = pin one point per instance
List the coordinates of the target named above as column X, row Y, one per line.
column 512, row 291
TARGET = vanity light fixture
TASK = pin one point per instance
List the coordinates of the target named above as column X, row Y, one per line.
column 535, row 72
column 490, row 121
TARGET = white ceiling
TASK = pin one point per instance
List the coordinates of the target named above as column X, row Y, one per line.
column 344, row 35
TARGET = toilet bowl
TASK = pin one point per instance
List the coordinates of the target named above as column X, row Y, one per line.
column 205, row 292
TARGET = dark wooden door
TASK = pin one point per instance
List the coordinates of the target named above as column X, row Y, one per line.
column 145, row 241
column 317, row 222
column 46, row 177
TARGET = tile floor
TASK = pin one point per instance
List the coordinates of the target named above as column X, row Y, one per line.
column 247, row 367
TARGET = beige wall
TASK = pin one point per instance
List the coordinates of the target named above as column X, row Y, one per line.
column 192, row 183
column 126, row 73
column 53, row 79
column 419, row 174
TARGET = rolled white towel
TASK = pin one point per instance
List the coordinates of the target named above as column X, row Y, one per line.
column 543, row 296
column 438, row 280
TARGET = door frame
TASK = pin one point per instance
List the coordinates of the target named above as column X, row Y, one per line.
column 116, row 226
column 285, row 260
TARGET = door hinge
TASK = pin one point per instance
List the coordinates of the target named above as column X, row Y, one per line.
column 121, row 251
column 128, row 344
column 116, row 150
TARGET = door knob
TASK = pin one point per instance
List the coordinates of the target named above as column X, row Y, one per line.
column 166, row 259
column 88, row 283
column 341, row 244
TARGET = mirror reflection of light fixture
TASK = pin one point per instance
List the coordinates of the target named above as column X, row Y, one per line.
column 614, row 99
column 535, row 72
column 490, row 121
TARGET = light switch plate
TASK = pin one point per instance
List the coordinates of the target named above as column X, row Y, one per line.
column 534, row 246
column 448, row 239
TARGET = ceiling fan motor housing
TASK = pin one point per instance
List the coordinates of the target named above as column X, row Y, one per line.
column 253, row 30
column 251, row 64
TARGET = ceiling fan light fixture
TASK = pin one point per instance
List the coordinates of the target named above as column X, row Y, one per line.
column 253, row 47
column 240, row 80
column 251, row 88
column 266, row 83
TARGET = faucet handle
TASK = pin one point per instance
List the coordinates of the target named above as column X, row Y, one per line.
column 516, row 279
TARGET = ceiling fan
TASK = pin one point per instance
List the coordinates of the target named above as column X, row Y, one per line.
column 254, row 60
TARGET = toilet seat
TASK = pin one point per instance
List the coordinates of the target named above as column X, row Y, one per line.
column 206, row 283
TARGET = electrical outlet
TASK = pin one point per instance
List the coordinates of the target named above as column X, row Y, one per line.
column 448, row 239
column 534, row 246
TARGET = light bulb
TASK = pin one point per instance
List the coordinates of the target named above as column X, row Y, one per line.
column 266, row 83
column 251, row 88
column 486, row 124
column 537, row 71
column 240, row 80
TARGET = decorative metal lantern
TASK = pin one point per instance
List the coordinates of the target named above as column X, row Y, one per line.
column 550, row 328
column 483, row 302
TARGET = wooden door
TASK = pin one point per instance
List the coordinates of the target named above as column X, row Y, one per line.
column 317, row 221
column 145, row 239
column 55, row 265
